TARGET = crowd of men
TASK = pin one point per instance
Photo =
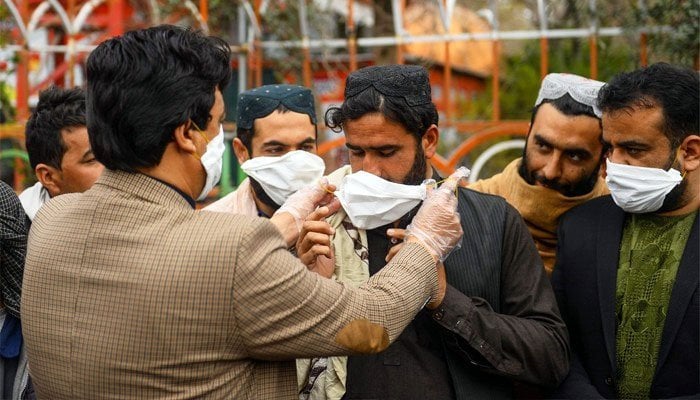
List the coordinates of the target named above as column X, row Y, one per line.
column 571, row 274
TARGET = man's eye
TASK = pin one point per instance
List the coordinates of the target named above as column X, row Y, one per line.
column 274, row 150
column 634, row 152
column 386, row 154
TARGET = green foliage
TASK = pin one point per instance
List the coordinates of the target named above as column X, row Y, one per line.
column 681, row 44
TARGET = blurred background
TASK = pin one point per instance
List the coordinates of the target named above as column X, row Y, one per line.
column 486, row 57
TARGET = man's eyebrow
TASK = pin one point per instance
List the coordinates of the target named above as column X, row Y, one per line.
column 308, row 140
column 274, row 143
column 633, row 143
column 542, row 140
column 373, row 148
column 572, row 150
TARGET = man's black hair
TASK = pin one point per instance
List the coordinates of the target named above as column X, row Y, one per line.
column 672, row 88
column 58, row 110
column 146, row 83
column 415, row 118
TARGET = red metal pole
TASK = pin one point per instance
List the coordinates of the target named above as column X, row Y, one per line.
column 594, row 56
column 496, row 86
column 643, row 55
column 204, row 10
column 23, row 71
column 116, row 17
column 352, row 39
column 399, row 47
column 257, row 46
column 448, row 84
column 544, row 57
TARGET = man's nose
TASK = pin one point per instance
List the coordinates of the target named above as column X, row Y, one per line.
column 552, row 169
column 370, row 164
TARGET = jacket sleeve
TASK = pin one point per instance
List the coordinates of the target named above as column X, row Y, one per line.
column 528, row 340
column 283, row 311
column 14, row 229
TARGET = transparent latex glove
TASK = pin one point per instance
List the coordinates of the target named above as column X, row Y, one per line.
column 306, row 200
column 437, row 224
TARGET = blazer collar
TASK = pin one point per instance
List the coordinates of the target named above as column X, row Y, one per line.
column 610, row 223
column 143, row 186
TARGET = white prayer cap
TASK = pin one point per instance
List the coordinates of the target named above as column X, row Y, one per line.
column 581, row 89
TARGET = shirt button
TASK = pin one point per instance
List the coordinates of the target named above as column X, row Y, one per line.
column 437, row 315
column 609, row 381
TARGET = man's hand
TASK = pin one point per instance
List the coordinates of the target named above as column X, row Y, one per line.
column 442, row 286
column 289, row 218
column 314, row 245
column 396, row 236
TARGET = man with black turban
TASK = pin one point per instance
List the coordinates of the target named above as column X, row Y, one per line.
column 498, row 322
column 276, row 147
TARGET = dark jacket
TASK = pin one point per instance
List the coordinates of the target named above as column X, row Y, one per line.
column 499, row 320
column 584, row 280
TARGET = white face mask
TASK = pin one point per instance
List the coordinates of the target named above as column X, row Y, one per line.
column 212, row 160
column 371, row 201
column 640, row 189
column 281, row 176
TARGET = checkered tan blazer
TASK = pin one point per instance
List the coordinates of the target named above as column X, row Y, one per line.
column 130, row 294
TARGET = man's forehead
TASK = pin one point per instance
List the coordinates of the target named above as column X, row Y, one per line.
column 633, row 123
column 558, row 127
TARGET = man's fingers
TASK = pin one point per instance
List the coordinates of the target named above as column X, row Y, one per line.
column 395, row 233
column 393, row 251
column 319, row 214
column 318, row 227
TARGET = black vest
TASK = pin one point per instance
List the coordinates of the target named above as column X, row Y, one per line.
column 475, row 270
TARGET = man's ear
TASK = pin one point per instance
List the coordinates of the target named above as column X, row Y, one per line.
column 51, row 178
column 184, row 138
column 241, row 151
column 690, row 153
column 429, row 141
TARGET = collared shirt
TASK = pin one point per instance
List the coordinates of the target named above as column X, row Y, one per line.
column 187, row 197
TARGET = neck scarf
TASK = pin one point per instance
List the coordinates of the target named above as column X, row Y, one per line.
column 540, row 207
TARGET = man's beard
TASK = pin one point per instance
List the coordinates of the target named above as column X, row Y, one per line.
column 578, row 188
column 677, row 197
column 416, row 175
column 262, row 196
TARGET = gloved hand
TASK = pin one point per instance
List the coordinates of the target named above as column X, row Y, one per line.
column 437, row 225
column 305, row 200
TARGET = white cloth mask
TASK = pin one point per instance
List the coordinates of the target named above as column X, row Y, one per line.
column 281, row 176
column 640, row 189
column 213, row 161
column 371, row 201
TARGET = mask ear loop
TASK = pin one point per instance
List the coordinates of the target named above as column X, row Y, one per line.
column 456, row 187
column 678, row 158
column 197, row 156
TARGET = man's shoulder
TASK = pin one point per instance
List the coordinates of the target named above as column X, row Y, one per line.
column 474, row 199
column 590, row 208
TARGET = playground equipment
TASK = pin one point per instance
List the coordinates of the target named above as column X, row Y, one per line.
column 75, row 27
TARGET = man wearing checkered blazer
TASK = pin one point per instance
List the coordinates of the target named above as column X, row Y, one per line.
column 129, row 292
